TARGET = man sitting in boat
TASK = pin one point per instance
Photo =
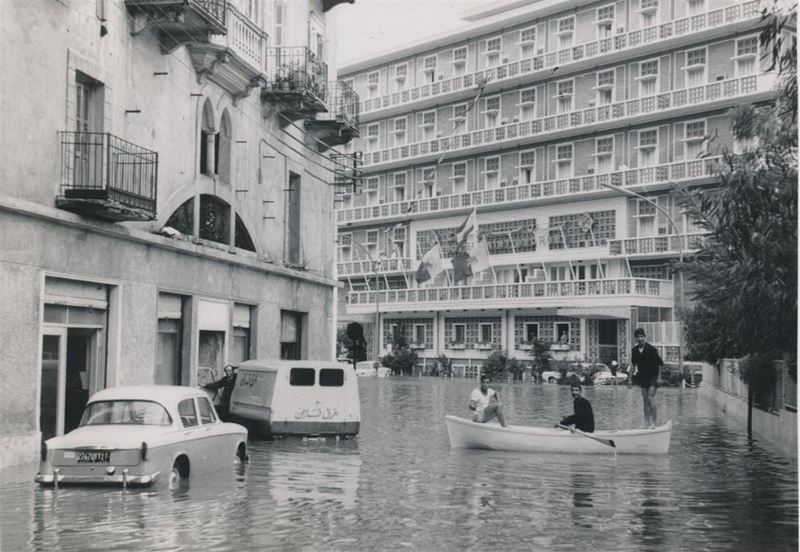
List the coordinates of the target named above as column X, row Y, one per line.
column 486, row 403
column 583, row 418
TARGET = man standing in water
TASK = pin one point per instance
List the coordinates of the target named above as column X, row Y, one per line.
column 646, row 366
column 486, row 403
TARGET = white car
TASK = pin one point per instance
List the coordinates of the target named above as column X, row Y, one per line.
column 554, row 376
column 606, row 378
column 138, row 435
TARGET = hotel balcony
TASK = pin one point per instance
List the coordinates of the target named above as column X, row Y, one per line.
column 339, row 123
column 385, row 266
column 657, row 246
column 179, row 21
column 296, row 84
column 580, row 293
column 235, row 61
column 712, row 96
column 696, row 171
column 655, row 39
column 105, row 177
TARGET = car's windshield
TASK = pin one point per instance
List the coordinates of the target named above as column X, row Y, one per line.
column 125, row 412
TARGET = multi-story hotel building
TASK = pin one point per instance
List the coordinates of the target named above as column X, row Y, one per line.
column 166, row 196
column 568, row 128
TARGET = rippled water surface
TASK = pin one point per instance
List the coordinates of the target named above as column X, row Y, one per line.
column 399, row 486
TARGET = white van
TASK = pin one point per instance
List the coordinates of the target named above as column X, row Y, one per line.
column 297, row 397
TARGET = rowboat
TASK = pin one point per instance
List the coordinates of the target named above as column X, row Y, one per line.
column 465, row 433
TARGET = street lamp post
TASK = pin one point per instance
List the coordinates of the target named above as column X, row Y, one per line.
column 679, row 294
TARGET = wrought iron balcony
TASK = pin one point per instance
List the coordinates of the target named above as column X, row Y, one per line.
column 179, row 21
column 715, row 95
column 657, row 246
column 235, row 61
column 330, row 4
column 646, row 292
column 339, row 123
column 659, row 175
column 105, row 177
column 296, row 83
column 625, row 43
column 365, row 268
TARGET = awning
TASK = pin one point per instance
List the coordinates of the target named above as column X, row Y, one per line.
column 608, row 313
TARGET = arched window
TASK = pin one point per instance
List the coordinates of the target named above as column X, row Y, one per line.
column 214, row 222
column 224, row 147
column 214, row 219
column 182, row 219
column 208, row 140
column 242, row 238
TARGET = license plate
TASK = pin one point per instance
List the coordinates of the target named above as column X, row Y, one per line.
column 92, row 456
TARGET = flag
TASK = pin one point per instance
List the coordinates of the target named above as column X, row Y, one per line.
column 466, row 227
column 431, row 265
column 479, row 257
column 461, row 266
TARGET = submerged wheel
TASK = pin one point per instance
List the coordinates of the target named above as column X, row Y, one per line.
column 551, row 380
column 241, row 455
column 175, row 477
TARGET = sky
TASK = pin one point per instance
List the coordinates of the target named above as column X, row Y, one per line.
column 372, row 26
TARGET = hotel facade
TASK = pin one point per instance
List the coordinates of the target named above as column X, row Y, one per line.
column 568, row 131
column 166, row 196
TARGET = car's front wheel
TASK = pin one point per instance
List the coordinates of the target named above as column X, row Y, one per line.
column 551, row 380
column 180, row 471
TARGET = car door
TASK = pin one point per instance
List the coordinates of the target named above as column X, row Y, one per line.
column 191, row 432
column 212, row 444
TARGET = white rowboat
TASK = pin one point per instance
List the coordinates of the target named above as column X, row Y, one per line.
column 465, row 433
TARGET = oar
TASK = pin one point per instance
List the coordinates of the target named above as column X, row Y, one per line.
column 607, row 442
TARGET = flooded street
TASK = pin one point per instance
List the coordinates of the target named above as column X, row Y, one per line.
column 399, row 486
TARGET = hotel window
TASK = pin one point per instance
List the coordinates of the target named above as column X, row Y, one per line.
column 648, row 148
column 695, row 7
column 486, row 332
column 494, row 47
column 373, row 79
column 399, row 187
column 371, row 243
column 400, row 72
column 531, row 332
column 564, row 92
column 491, row 172
column 427, row 178
column 746, row 56
column 648, row 78
column 527, row 163
column 399, row 131
column 694, row 139
column 645, row 219
column 419, row 334
column 527, row 42
column 372, row 137
column 605, row 21
column 566, row 32
column 459, row 178
column 428, row 125
column 429, row 69
column 345, row 247
column 459, row 61
column 459, row 333
column 605, row 87
column 648, row 13
column 459, row 117
column 399, row 242
column 527, row 104
column 561, row 331
column 604, row 155
column 563, row 161
column 491, row 112
column 372, row 190
column 695, row 67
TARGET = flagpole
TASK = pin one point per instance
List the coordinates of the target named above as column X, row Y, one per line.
column 441, row 251
column 514, row 252
column 400, row 264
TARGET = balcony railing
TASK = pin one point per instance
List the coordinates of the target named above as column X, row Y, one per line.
column 180, row 21
column 540, row 290
column 292, row 70
column 108, row 176
column 342, row 104
column 617, row 111
column 364, row 267
column 627, row 41
column 654, row 245
column 245, row 39
column 672, row 172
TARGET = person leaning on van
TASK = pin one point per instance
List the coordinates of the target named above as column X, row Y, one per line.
column 226, row 383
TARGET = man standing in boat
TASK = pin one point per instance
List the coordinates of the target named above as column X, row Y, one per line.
column 583, row 416
column 486, row 403
column 646, row 367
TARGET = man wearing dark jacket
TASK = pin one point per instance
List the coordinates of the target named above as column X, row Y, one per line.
column 646, row 364
column 583, row 418
column 226, row 383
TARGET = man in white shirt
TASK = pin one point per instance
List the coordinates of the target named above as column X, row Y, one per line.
column 486, row 403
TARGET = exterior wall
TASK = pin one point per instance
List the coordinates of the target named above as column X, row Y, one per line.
column 779, row 429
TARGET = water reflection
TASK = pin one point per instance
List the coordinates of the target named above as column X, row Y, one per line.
column 400, row 486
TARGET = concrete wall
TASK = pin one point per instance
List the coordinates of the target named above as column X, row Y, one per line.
column 779, row 429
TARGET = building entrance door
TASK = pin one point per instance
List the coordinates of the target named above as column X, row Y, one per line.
column 607, row 341
column 54, row 369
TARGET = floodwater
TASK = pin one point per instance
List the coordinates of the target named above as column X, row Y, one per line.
column 399, row 486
